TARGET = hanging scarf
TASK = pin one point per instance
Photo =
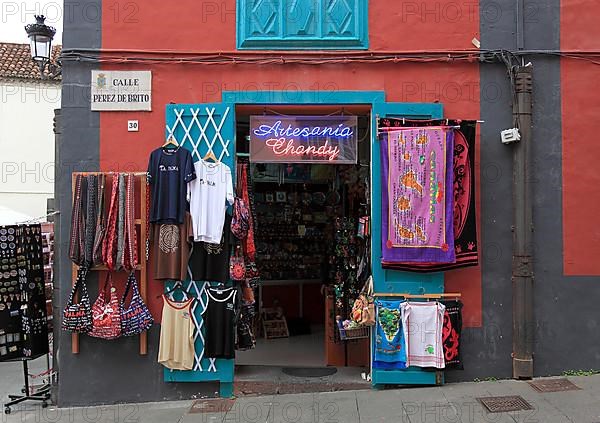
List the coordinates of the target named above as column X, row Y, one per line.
column 121, row 223
column 90, row 218
column 110, row 240
column 98, row 257
column 76, row 243
column 242, row 192
column 251, row 205
column 130, row 257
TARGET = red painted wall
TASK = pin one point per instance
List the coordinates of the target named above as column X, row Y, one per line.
column 162, row 25
column 581, row 150
column 188, row 25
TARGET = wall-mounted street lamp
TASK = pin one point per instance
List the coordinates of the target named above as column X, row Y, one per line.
column 40, row 41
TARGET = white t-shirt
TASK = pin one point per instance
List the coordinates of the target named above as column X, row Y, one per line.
column 208, row 194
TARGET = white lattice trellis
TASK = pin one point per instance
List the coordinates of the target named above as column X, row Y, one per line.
column 200, row 129
column 197, row 134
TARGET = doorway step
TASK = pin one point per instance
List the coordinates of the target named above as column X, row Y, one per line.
column 271, row 380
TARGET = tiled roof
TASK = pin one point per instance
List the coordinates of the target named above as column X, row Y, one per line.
column 16, row 62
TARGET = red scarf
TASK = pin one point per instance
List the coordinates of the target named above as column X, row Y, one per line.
column 242, row 191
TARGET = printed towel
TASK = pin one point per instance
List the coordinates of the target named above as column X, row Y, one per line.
column 416, row 208
column 465, row 223
column 390, row 348
column 422, row 324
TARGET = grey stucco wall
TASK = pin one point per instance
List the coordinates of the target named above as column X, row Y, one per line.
column 567, row 318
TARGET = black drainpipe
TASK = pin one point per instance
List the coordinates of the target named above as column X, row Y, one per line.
column 522, row 265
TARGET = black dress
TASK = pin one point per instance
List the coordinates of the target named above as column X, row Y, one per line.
column 219, row 321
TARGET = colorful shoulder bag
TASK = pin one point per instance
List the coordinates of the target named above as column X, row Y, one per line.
column 78, row 317
column 237, row 268
column 106, row 313
column 363, row 310
column 136, row 317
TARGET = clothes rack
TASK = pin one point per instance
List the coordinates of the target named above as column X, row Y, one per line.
column 142, row 267
column 422, row 296
column 378, row 129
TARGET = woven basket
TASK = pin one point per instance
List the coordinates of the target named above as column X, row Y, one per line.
column 350, row 334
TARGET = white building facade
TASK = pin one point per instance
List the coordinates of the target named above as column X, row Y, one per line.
column 26, row 132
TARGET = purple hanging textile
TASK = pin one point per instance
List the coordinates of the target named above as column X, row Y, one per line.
column 417, row 213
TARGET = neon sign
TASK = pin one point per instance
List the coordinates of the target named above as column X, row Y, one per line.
column 303, row 139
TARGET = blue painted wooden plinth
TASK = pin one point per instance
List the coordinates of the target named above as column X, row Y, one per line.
column 410, row 376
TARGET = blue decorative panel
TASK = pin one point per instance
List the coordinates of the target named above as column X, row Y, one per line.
column 302, row 24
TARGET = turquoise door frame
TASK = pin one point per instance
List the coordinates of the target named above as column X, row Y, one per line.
column 393, row 281
column 386, row 281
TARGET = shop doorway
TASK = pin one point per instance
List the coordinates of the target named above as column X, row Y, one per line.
column 212, row 127
column 309, row 253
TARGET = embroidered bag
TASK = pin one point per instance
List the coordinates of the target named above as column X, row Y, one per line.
column 237, row 269
column 78, row 317
column 136, row 317
column 240, row 220
column 106, row 314
column 252, row 274
column 363, row 310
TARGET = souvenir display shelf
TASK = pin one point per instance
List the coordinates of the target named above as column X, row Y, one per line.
column 293, row 227
column 142, row 222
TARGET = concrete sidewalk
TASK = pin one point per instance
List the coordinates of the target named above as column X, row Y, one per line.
column 450, row 403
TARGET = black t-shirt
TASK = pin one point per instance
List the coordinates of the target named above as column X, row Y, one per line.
column 219, row 321
column 210, row 262
column 169, row 171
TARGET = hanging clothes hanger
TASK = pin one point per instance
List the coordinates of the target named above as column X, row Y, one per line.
column 171, row 142
column 210, row 155
column 177, row 287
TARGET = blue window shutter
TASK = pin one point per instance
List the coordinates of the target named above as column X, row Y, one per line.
column 306, row 24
